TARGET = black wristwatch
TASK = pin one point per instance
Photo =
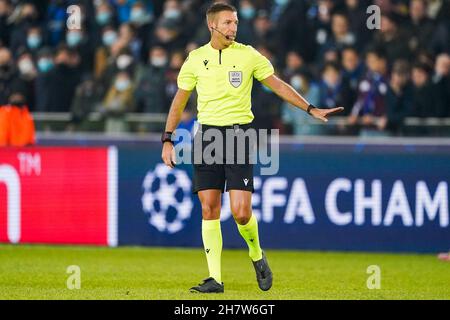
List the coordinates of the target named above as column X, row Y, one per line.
column 310, row 107
column 166, row 137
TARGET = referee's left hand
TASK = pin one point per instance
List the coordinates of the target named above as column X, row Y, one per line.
column 168, row 154
column 322, row 114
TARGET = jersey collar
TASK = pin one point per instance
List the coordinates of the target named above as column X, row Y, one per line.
column 210, row 47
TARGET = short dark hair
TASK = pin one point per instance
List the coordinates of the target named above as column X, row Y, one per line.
column 378, row 51
column 401, row 67
column 422, row 66
column 218, row 7
column 349, row 47
column 331, row 65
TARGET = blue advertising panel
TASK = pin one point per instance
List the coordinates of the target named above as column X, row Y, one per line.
column 324, row 197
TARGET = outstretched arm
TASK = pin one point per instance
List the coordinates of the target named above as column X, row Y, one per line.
column 287, row 93
column 173, row 119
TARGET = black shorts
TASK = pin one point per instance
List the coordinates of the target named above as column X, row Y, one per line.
column 222, row 174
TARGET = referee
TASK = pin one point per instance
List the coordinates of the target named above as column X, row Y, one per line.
column 222, row 71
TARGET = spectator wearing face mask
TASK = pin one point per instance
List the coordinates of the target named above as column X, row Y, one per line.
column 122, row 60
column 61, row 81
column 34, row 40
column 142, row 21
column 172, row 12
column 103, row 53
column 104, row 15
column 27, row 73
column 124, row 9
column 44, row 79
column 77, row 40
column 150, row 90
column 118, row 102
column 247, row 14
column 299, row 122
column 27, row 17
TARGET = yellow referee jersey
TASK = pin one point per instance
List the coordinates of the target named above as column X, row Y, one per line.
column 224, row 80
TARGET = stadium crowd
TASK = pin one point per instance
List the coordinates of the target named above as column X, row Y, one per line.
column 127, row 55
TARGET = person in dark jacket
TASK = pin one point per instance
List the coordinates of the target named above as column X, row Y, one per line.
column 423, row 99
column 61, row 81
column 398, row 97
column 369, row 109
column 8, row 74
column 441, row 84
column 45, row 68
column 150, row 91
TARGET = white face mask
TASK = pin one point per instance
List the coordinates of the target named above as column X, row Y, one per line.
column 159, row 61
column 26, row 66
column 123, row 61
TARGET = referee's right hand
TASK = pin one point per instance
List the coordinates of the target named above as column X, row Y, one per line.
column 168, row 154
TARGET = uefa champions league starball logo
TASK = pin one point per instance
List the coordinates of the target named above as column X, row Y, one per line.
column 167, row 198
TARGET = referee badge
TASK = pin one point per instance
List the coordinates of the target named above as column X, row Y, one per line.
column 235, row 78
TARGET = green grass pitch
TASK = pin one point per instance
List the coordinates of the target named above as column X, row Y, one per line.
column 40, row 272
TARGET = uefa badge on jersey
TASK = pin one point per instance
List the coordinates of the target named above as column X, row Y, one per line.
column 235, row 78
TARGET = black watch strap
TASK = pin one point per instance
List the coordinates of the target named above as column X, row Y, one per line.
column 166, row 137
column 310, row 107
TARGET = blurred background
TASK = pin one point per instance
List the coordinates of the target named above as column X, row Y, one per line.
column 117, row 73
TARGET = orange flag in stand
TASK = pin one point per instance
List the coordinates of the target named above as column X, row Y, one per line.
column 16, row 126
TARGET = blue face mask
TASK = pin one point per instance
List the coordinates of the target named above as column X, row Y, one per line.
column 103, row 18
column 247, row 13
column 45, row 65
column 281, row 2
column 137, row 15
column 109, row 38
column 73, row 39
column 34, row 41
column 122, row 84
column 172, row 13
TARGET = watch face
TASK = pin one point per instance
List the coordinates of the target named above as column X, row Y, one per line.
column 166, row 137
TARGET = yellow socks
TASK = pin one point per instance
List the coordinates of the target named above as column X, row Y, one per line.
column 249, row 232
column 212, row 241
